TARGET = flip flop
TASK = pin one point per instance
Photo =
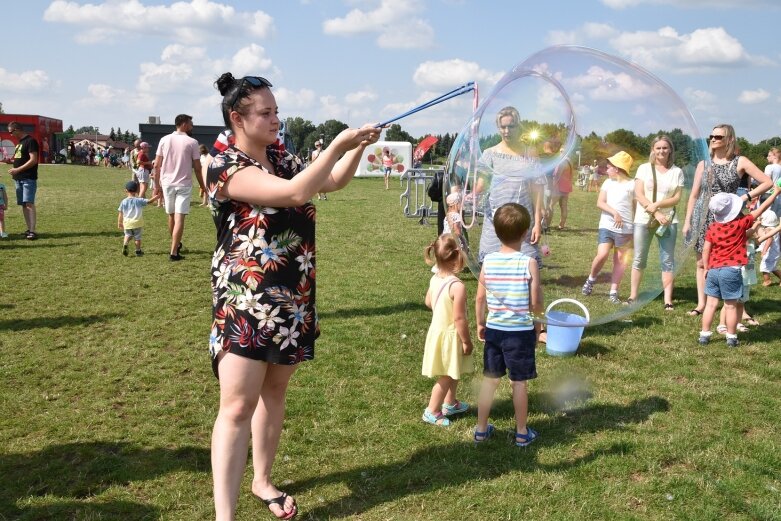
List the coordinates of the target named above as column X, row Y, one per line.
column 752, row 322
column 695, row 313
column 280, row 502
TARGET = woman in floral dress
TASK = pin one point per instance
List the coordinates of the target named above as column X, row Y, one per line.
column 263, row 282
column 724, row 174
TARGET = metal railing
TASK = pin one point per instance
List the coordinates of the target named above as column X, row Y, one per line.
column 414, row 198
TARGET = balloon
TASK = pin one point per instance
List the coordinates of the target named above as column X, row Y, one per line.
column 544, row 133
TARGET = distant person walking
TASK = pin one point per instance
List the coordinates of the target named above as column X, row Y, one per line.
column 25, row 175
column 176, row 158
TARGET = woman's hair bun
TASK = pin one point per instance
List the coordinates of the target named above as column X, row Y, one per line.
column 224, row 83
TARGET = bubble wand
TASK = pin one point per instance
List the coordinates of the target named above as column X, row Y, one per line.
column 463, row 89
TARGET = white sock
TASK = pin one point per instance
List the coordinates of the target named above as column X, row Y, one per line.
column 729, row 335
column 705, row 333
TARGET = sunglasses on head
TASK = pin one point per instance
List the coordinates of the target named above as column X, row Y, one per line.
column 256, row 81
column 717, row 138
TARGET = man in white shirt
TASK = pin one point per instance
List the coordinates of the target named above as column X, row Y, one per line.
column 176, row 158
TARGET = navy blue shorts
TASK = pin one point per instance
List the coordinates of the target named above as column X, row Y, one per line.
column 510, row 352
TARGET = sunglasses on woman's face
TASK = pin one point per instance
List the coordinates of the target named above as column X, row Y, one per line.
column 714, row 137
column 255, row 81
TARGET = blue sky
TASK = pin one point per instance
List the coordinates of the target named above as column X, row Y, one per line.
column 116, row 62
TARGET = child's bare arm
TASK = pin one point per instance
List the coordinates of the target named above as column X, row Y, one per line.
column 763, row 235
column 766, row 203
column 428, row 298
column 458, row 292
column 119, row 220
column 536, row 302
column 480, row 306
column 155, row 197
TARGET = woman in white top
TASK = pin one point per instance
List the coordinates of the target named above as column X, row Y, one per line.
column 657, row 204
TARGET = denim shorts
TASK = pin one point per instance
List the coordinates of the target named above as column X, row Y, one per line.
column 510, row 352
column 724, row 283
column 25, row 191
column 617, row 238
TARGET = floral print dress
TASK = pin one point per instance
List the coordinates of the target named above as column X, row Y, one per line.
column 717, row 179
column 263, row 269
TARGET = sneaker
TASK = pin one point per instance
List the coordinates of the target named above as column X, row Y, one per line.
column 732, row 342
column 179, row 249
column 25, row 233
column 588, row 287
column 32, row 236
column 175, row 258
column 629, row 302
column 3, row 235
column 139, row 253
column 124, row 250
column 704, row 339
column 613, row 298
column 456, row 408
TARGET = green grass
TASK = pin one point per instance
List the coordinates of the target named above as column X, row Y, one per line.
column 107, row 398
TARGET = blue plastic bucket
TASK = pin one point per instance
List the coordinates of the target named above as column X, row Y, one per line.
column 564, row 329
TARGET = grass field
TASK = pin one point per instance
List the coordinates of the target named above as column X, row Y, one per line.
column 107, row 398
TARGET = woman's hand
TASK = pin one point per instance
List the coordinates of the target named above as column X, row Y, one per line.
column 618, row 222
column 662, row 218
column 351, row 138
column 536, row 234
column 652, row 208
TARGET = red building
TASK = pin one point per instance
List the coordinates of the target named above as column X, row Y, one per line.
column 41, row 128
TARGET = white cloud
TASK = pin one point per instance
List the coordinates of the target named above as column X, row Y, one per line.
column 25, row 81
column 691, row 4
column 394, row 22
column 750, row 97
column 588, row 31
column 186, row 22
column 102, row 95
column 703, row 50
column 293, row 101
column 360, row 97
column 451, row 73
column 701, row 100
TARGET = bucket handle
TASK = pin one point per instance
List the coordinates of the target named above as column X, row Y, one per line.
column 570, row 301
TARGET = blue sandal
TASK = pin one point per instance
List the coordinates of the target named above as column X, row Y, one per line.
column 435, row 419
column 456, row 408
column 480, row 437
column 522, row 440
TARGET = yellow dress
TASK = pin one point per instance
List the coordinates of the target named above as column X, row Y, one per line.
column 443, row 355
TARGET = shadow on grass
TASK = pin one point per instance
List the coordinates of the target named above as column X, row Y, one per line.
column 70, row 476
column 402, row 307
column 459, row 463
column 64, row 235
column 54, row 322
column 38, row 245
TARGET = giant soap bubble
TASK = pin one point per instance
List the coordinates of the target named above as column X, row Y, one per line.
column 544, row 134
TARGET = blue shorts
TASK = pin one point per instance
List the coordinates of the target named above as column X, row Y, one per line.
column 617, row 238
column 724, row 283
column 510, row 352
column 25, row 191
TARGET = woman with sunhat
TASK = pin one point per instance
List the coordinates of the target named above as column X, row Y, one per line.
column 616, row 196
column 658, row 188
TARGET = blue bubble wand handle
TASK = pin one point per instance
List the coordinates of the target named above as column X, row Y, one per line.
column 463, row 89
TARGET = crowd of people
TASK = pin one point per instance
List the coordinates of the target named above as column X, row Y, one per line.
column 264, row 317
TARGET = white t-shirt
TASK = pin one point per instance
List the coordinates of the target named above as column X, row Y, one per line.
column 179, row 151
column 618, row 195
column 666, row 185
